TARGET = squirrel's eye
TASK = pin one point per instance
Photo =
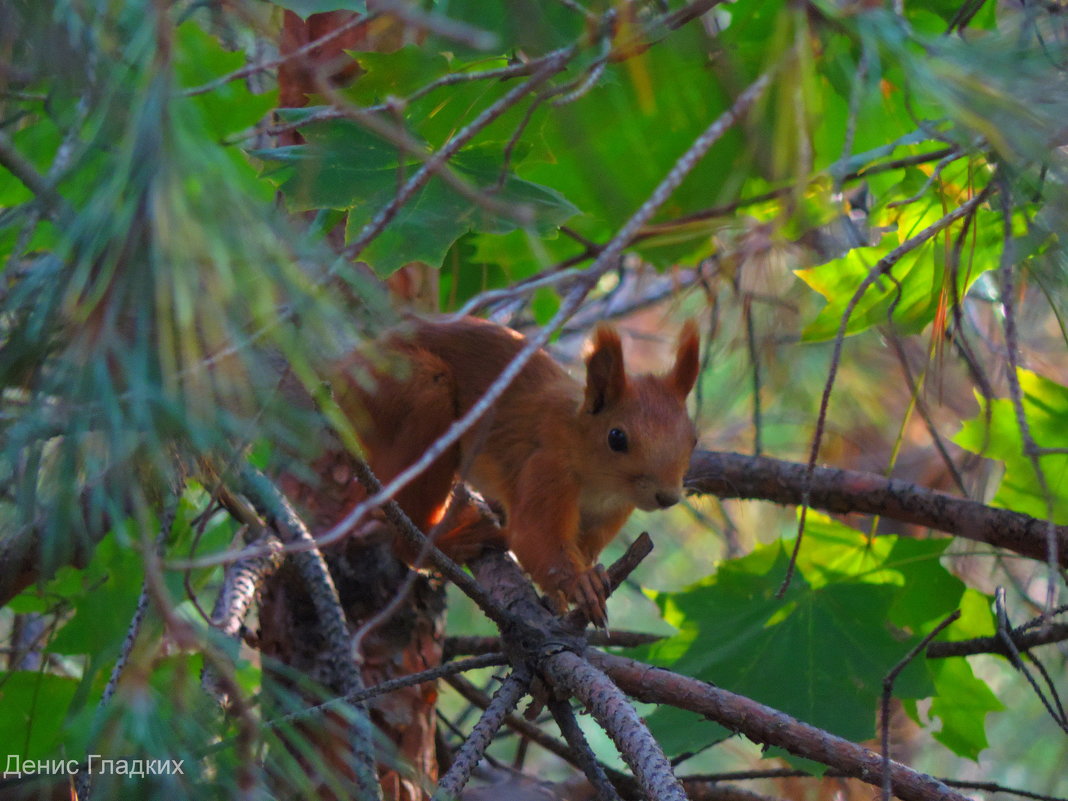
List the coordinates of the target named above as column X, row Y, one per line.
column 617, row 440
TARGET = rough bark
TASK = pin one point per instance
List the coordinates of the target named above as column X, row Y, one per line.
column 768, row 726
column 735, row 475
column 368, row 577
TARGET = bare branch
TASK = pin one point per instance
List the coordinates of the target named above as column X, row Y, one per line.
column 569, row 727
column 888, row 692
column 765, row 725
column 620, row 721
column 504, row 701
column 468, row 645
column 733, row 475
column 995, row 644
column 699, row 790
column 1030, row 449
column 521, row 726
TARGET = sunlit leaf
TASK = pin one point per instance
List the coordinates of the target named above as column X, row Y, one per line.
column 1045, row 405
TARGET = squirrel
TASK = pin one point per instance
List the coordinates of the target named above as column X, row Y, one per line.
column 567, row 462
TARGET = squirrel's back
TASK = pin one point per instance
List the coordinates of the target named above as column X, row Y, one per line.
column 540, row 398
column 478, row 351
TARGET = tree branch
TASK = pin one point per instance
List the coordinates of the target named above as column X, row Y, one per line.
column 621, row 722
column 767, row 726
column 995, row 644
column 504, row 701
column 733, row 475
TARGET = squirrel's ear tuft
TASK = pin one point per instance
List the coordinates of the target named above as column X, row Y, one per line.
column 683, row 375
column 606, row 377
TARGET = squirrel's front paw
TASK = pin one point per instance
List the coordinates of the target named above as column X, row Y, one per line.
column 589, row 592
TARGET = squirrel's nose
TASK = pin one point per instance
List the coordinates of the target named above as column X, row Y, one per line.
column 666, row 499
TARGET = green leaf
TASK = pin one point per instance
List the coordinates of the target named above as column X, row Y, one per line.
column 544, row 304
column 917, row 291
column 962, row 703
column 345, row 167
column 611, row 148
column 852, row 611
column 230, row 107
column 104, row 604
column 35, row 706
column 1045, row 405
column 402, row 72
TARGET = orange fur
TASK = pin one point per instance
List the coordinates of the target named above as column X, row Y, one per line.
column 544, row 451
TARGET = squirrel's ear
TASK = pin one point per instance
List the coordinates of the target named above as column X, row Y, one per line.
column 606, row 378
column 687, row 362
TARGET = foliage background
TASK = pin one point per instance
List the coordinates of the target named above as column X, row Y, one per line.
column 150, row 229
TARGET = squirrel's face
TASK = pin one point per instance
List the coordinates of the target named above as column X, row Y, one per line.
column 643, row 444
column 639, row 432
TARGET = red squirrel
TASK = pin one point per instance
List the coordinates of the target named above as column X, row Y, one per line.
column 568, row 463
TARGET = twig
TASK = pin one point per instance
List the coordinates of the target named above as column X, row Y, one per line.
column 884, row 265
column 728, row 209
column 525, row 728
column 444, row 671
column 859, row 77
column 569, row 727
column 1030, row 449
column 941, row 165
column 916, row 392
column 1052, row 706
column 303, row 50
column 754, row 364
column 501, row 73
column 470, row 753
column 463, row 645
column 888, row 692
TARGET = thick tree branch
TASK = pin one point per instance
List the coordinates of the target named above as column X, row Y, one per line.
column 767, row 726
column 547, row 642
column 620, row 720
column 733, row 475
